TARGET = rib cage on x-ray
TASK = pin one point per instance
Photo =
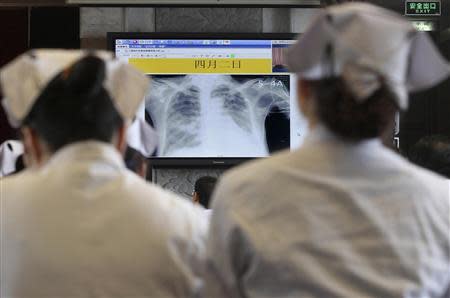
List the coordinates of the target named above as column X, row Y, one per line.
column 214, row 115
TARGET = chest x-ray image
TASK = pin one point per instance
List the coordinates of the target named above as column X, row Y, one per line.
column 220, row 115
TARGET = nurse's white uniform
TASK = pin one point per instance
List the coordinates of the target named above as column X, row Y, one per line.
column 331, row 220
column 84, row 226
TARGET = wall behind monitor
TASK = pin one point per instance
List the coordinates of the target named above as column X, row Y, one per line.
column 95, row 22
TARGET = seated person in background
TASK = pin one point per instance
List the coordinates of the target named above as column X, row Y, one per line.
column 203, row 189
column 433, row 153
column 343, row 216
column 78, row 223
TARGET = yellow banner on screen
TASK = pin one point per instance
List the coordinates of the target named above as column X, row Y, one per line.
column 220, row 65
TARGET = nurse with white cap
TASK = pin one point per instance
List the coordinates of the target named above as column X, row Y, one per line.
column 77, row 223
column 343, row 216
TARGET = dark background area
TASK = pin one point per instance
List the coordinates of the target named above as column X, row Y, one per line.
column 14, row 34
column 54, row 27
column 23, row 28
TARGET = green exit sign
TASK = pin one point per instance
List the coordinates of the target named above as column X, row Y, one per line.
column 422, row 8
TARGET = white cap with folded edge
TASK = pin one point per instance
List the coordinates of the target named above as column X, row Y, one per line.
column 24, row 79
column 10, row 150
column 366, row 45
column 140, row 135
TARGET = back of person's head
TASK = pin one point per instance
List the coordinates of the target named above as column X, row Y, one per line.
column 340, row 112
column 75, row 107
column 433, row 153
column 355, row 87
column 204, row 187
column 135, row 161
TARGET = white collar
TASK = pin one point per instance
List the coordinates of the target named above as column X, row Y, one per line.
column 321, row 134
column 87, row 151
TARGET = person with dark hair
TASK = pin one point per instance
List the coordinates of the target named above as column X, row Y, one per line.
column 78, row 223
column 343, row 216
column 433, row 153
column 203, row 189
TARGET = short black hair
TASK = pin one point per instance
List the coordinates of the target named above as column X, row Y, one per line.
column 433, row 153
column 340, row 112
column 75, row 107
column 204, row 187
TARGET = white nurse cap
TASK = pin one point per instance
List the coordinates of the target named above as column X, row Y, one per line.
column 23, row 80
column 140, row 135
column 365, row 45
column 9, row 153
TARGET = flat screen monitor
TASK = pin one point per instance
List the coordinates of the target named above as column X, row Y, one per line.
column 216, row 98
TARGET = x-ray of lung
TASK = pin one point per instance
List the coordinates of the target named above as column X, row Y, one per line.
column 220, row 115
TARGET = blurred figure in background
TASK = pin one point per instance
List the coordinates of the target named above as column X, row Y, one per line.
column 343, row 216
column 203, row 189
column 433, row 153
column 136, row 162
column 77, row 223
column 142, row 141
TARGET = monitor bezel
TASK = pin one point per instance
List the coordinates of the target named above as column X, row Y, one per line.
column 195, row 161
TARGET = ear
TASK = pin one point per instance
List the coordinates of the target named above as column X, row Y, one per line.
column 304, row 94
column 195, row 197
column 142, row 171
column 121, row 139
column 306, row 102
column 34, row 149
